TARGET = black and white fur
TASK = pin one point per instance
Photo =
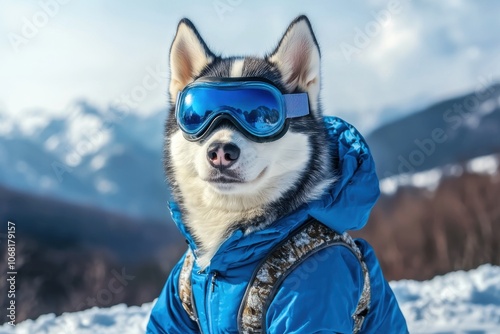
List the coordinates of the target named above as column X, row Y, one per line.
column 274, row 178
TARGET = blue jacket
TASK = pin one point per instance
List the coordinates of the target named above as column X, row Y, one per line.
column 319, row 296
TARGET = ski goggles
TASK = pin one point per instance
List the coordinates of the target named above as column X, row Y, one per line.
column 254, row 106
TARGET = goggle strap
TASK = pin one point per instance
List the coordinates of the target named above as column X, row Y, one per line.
column 297, row 105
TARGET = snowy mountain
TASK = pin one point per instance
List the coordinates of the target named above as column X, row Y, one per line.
column 106, row 159
column 459, row 302
column 451, row 131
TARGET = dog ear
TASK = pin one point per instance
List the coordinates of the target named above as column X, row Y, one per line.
column 298, row 58
column 188, row 57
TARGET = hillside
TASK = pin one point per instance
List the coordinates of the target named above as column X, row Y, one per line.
column 66, row 253
column 447, row 132
column 438, row 221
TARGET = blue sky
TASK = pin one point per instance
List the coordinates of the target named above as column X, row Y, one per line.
column 102, row 50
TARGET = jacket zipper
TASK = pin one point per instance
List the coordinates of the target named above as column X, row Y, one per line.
column 212, row 279
column 195, row 312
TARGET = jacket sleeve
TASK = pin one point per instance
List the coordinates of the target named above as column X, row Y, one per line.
column 388, row 318
column 168, row 316
column 319, row 296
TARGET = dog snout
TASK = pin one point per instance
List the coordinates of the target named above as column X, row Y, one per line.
column 222, row 155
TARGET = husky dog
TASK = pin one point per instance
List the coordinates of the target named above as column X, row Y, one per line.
column 265, row 188
column 267, row 180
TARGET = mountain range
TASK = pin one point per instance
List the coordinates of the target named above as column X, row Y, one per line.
column 104, row 159
column 113, row 161
column 447, row 132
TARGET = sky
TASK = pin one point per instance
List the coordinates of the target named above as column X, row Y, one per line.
column 380, row 59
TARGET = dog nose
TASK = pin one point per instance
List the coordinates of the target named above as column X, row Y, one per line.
column 223, row 155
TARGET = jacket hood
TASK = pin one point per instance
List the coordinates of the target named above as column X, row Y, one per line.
column 345, row 206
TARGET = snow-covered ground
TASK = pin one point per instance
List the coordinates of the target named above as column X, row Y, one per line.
column 459, row 302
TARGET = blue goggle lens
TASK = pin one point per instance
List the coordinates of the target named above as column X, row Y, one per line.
column 258, row 107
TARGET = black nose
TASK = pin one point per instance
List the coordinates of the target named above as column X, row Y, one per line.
column 223, row 155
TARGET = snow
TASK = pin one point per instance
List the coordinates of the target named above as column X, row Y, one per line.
column 429, row 179
column 117, row 319
column 488, row 106
column 105, row 186
column 6, row 125
column 51, row 143
column 483, row 110
column 458, row 302
column 32, row 122
column 98, row 162
column 484, row 165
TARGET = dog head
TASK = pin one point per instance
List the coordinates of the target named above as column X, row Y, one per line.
column 227, row 175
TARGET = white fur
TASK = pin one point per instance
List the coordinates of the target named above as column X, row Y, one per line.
column 268, row 170
column 237, row 68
